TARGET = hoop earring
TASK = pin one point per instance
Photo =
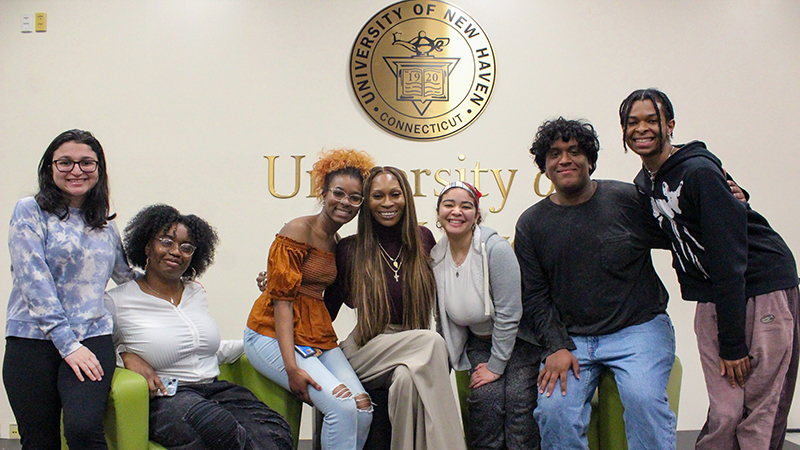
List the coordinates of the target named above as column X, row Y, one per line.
column 192, row 276
column 438, row 225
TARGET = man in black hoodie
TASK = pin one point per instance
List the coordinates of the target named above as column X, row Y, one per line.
column 737, row 268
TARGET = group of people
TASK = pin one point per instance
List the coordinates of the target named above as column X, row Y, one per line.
column 595, row 302
column 576, row 295
column 64, row 334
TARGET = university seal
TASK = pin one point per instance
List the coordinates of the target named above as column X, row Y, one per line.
column 422, row 70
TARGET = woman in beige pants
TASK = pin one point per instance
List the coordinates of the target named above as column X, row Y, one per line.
column 385, row 272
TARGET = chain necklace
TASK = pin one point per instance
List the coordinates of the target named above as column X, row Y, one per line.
column 458, row 264
column 169, row 299
column 654, row 172
column 394, row 263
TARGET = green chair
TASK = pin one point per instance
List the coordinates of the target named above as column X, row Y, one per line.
column 606, row 427
column 462, row 387
column 128, row 407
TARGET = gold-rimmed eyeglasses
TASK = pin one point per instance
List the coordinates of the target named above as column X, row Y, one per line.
column 185, row 248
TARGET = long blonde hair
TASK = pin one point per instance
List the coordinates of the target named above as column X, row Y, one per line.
column 368, row 283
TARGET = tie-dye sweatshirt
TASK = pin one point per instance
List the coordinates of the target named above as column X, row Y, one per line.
column 60, row 270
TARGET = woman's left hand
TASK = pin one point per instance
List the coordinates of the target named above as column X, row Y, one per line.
column 84, row 360
column 482, row 376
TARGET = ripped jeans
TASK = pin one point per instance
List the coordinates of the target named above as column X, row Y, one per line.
column 216, row 416
column 345, row 426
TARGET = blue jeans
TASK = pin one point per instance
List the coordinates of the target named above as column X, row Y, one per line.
column 641, row 358
column 217, row 416
column 345, row 426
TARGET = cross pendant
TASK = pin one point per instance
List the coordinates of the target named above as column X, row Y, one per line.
column 396, row 277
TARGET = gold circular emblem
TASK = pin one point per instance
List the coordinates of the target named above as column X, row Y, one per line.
column 422, row 70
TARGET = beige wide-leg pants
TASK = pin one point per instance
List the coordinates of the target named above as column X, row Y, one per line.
column 413, row 365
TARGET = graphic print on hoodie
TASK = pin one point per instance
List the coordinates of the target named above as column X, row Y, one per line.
column 669, row 208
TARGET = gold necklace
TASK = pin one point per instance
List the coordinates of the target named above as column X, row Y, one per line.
column 169, row 299
column 394, row 263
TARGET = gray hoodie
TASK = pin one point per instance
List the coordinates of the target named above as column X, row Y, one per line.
column 503, row 287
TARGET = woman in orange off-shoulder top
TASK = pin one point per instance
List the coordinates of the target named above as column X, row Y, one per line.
column 289, row 336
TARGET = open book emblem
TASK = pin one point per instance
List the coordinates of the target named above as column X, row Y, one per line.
column 422, row 70
column 422, row 78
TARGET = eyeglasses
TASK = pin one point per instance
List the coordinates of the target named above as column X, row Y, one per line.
column 66, row 165
column 185, row 248
column 339, row 195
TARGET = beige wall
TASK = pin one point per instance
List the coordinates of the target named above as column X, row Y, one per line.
column 188, row 97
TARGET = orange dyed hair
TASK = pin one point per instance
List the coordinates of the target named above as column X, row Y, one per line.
column 331, row 161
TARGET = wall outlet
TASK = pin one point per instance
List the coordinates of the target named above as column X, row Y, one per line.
column 13, row 432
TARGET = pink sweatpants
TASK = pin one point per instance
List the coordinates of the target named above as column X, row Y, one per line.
column 753, row 417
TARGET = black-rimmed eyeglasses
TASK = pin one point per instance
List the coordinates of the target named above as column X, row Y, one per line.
column 66, row 165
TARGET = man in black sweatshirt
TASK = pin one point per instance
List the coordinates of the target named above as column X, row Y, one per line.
column 592, row 297
column 738, row 269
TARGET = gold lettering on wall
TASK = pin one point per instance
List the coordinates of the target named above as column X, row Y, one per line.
column 441, row 180
column 477, row 171
column 271, row 178
column 418, row 182
column 504, row 190
column 536, row 186
column 441, row 177
column 462, row 175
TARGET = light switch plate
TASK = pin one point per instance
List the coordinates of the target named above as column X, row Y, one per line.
column 41, row 22
column 27, row 23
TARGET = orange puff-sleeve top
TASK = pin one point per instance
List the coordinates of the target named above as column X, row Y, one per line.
column 298, row 273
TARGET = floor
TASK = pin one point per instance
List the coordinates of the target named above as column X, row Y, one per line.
column 685, row 442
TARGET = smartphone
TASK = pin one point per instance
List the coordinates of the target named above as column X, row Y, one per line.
column 306, row 351
column 171, row 385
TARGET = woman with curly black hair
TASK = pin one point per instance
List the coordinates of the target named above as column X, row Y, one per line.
column 163, row 331
column 151, row 221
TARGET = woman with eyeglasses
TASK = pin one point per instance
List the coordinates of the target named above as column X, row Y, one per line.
column 164, row 331
column 64, row 248
column 289, row 336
